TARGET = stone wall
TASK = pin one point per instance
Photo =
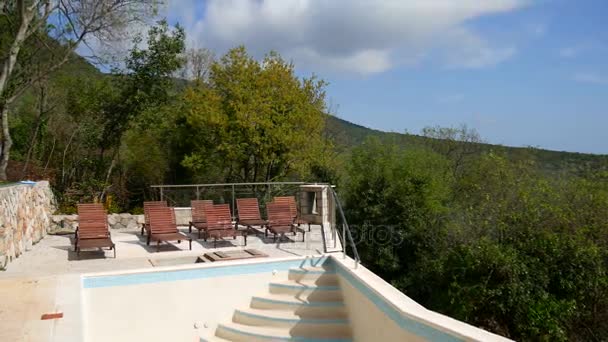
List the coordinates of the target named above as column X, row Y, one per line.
column 25, row 215
column 63, row 224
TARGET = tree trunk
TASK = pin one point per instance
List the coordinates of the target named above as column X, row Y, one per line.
column 6, row 143
column 6, row 70
column 42, row 103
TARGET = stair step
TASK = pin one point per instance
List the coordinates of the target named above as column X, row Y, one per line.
column 317, row 274
column 212, row 339
column 299, row 305
column 311, row 289
column 289, row 319
column 239, row 332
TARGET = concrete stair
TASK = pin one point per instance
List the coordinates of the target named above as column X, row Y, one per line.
column 308, row 307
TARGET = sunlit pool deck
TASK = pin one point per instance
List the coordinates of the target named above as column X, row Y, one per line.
column 297, row 292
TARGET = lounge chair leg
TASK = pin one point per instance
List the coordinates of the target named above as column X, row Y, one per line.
column 190, row 244
column 309, row 227
column 245, row 238
column 142, row 230
column 190, row 229
column 148, row 240
column 114, row 248
column 179, row 241
column 303, row 235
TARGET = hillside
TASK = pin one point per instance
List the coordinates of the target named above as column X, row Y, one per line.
column 347, row 135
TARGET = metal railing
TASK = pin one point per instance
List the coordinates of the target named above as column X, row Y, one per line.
column 182, row 194
column 346, row 234
column 269, row 188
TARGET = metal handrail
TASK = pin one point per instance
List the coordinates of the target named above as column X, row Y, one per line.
column 231, row 184
column 345, row 229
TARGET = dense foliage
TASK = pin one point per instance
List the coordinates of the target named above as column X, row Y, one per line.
column 254, row 121
column 497, row 244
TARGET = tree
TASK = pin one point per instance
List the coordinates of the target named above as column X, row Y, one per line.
column 256, row 121
column 51, row 30
column 457, row 144
column 197, row 64
column 110, row 121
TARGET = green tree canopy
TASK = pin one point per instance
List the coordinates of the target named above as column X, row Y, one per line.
column 255, row 120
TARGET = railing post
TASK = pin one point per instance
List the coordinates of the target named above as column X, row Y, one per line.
column 233, row 203
column 344, row 240
column 198, row 193
column 161, row 193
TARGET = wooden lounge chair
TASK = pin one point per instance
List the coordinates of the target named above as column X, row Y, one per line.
column 249, row 213
column 293, row 208
column 219, row 224
column 92, row 230
column 280, row 220
column 199, row 219
column 163, row 227
column 147, row 205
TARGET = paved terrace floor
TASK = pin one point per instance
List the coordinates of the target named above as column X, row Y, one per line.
column 30, row 285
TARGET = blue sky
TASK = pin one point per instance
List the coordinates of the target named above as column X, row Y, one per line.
column 521, row 73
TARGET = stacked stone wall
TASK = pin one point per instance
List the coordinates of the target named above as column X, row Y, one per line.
column 25, row 216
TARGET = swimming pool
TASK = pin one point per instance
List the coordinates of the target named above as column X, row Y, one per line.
column 317, row 298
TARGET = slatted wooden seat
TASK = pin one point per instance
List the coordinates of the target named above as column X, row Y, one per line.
column 219, row 224
column 249, row 213
column 163, row 227
column 147, row 206
column 280, row 220
column 92, row 231
column 199, row 219
column 293, row 208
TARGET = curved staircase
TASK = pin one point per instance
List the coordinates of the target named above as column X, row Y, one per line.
column 308, row 307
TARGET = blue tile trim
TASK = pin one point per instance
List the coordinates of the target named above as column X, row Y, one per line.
column 408, row 324
column 291, row 338
column 196, row 273
column 294, row 320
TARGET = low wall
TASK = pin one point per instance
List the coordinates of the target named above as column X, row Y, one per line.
column 25, row 215
column 63, row 224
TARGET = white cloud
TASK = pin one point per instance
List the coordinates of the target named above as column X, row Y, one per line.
column 590, row 77
column 349, row 35
column 467, row 50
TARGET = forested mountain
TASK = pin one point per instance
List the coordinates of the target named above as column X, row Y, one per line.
column 348, row 135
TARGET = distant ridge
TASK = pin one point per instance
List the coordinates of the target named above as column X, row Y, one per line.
column 347, row 135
